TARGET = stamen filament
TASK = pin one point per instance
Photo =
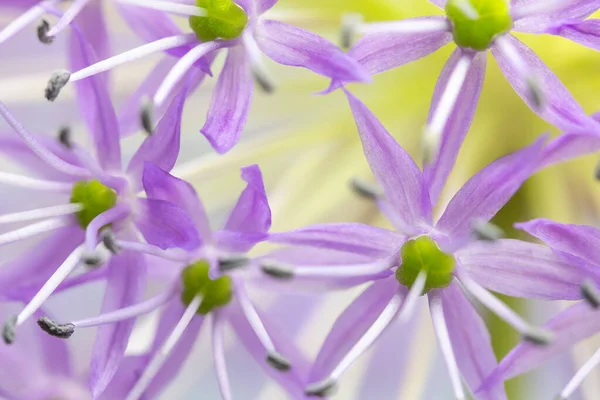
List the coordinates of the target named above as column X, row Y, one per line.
column 169, row 254
column 156, row 363
column 168, row 6
column 47, row 212
column 259, row 71
column 42, row 295
column 537, row 7
column 93, row 229
column 580, row 376
column 343, row 271
column 32, row 230
column 405, row 26
column 68, row 17
column 441, row 332
column 22, row 21
column 33, row 183
column 49, row 157
column 219, row 355
column 134, row 54
column 180, row 69
column 410, row 302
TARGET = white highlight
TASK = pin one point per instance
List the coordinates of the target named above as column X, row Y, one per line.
column 405, row 26
column 538, row 7
column 219, row 355
column 32, row 230
column 33, row 183
column 410, row 302
column 579, row 377
column 168, row 6
column 28, row 17
column 47, row 212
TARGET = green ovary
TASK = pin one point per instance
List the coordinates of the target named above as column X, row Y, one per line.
column 196, row 282
column 423, row 254
column 493, row 19
column 95, row 198
column 224, row 19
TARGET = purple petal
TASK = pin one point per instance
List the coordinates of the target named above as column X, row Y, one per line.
column 522, row 269
column 559, row 108
column 351, row 325
column 93, row 25
column 439, row 3
column 570, row 326
column 470, row 340
column 393, row 168
column 230, row 103
column 579, row 240
column 567, row 147
column 290, row 45
column 160, row 185
column 459, row 122
column 379, row 52
column 489, row 190
column 263, row 6
column 95, row 104
column 125, row 286
column 348, row 237
column 165, row 225
column 586, row 33
column 540, row 21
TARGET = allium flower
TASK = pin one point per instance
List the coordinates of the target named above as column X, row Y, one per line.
column 207, row 283
column 579, row 243
column 476, row 27
column 436, row 259
column 100, row 199
column 242, row 30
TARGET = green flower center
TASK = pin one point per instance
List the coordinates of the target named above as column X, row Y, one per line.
column 95, row 198
column 196, row 282
column 224, row 19
column 423, row 254
column 475, row 23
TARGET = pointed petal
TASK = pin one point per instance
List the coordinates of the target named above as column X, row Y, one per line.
column 348, row 237
column 586, row 32
column 568, row 146
column 470, row 340
column 579, row 240
column 379, row 52
column 570, row 326
column 93, row 25
column 559, row 108
column 459, row 122
column 165, row 225
column 160, row 185
column 489, row 190
column 230, row 103
column 523, row 269
column 538, row 22
column 95, row 104
column 290, row 45
column 351, row 325
column 393, row 168
column 125, row 286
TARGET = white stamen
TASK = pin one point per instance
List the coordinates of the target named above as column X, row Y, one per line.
column 47, row 212
column 484, row 230
column 42, row 295
column 69, row 15
column 535, row 8
column 405, row 26
column 168, row 6
column 441, row 332
column 35, row 184
column 580, row 376
column 344, row 271
column 49, row 157
column 253, row 317
column 467, row 8
column 416, row 290
column 168, row 254
column 219, row 355
column 134, row 54
column 160, row 357
column 259, row 71
column 432, row 136
column 32, row 230
column 22, row 21
column 180, row 69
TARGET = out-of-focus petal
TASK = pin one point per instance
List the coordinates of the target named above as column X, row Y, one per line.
column 92, row 23
column 348, row 237
column 290, row 45
column 263, row 6
column 540, row 21
column 579, row 240
column 230, row 102
column 160, row 185
column 165, row 224
column 439, row 3
column 586, row 32
column 394, row 169
column 567, row 147
column 570, row 326
column 459, row 122
column 559, row 107
column 470, row 340
column 124, row 287
column 523, row 269
column 379, row 52
column 489, row 190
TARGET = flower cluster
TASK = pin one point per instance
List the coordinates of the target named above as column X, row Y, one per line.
column 138, row 226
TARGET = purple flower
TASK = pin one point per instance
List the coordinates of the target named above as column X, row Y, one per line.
column 579, row 243
column 477, row 27
column 238, row 27
column 206, row 283
column 438, row 259
column 100, row 202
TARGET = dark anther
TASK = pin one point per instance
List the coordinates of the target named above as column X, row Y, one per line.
column 110, row 241
column 231, row 262
column 365, row 189
column 64, row 137
column 263, row 81
column 325, row 388
column 92, row 258
column 9, row 330
column 277, row 270
column 62, row 331
column 147, row 115
column 57, row 81
column 486, row 230
column 590, row 293
column 42, row 32
column 278, row 362
column 539, row 337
